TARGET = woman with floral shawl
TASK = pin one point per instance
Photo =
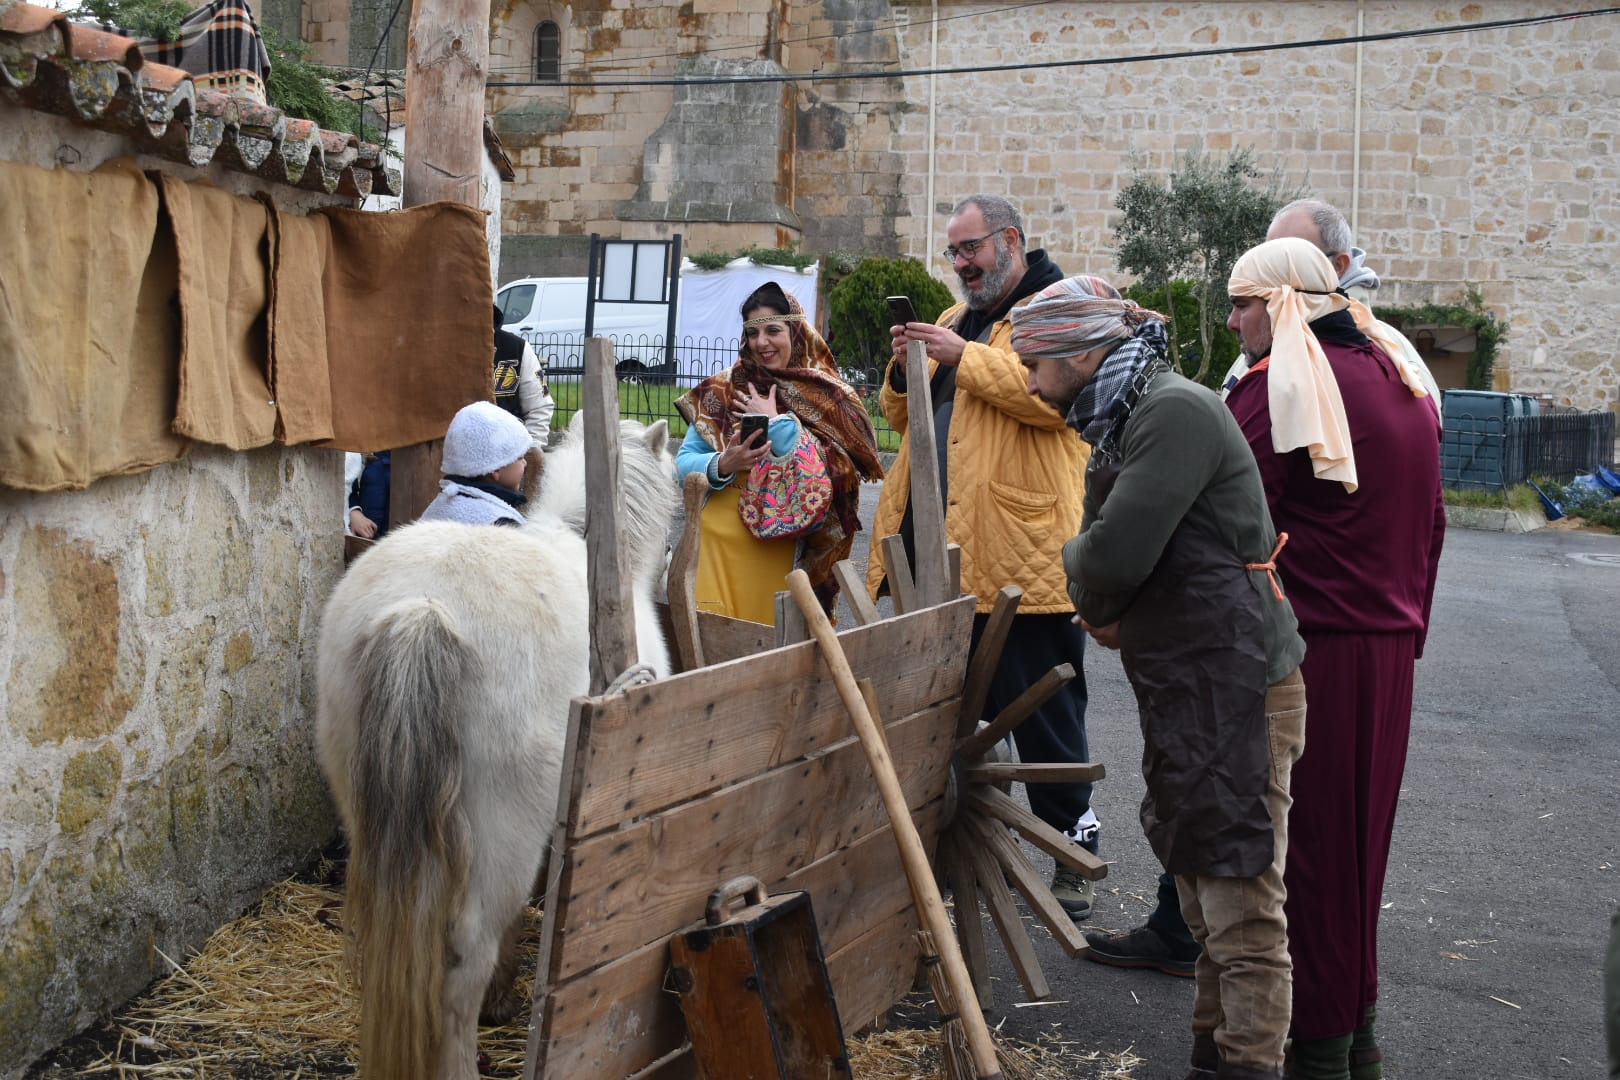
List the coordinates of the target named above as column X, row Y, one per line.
column 784, row 370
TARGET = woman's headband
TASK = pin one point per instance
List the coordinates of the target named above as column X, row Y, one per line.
column 772, row 318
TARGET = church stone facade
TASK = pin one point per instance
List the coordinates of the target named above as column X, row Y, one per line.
column 1487, row 159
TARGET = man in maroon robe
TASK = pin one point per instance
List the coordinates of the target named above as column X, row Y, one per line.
column 1350, row 458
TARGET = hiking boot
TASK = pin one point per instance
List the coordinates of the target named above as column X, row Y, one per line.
column 1074, row 892
column 1139, row 948
column 1366, row 1058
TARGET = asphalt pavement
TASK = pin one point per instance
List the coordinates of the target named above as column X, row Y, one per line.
column 1505, row 867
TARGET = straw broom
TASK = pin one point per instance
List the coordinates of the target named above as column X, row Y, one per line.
column 969, row 1049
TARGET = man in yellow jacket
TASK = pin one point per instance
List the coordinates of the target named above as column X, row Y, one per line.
column 1012, row 473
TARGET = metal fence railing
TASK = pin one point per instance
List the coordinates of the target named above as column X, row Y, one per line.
column 1493, row 453
column 652, row 376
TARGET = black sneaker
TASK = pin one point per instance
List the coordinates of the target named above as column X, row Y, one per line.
column 1139, row 948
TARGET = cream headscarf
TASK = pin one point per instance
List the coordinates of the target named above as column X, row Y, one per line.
column 1299, row 286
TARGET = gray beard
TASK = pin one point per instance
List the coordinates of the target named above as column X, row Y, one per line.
column 993, row 282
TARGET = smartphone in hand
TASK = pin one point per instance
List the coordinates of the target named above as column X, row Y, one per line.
column 751, row 423
column 901, row 311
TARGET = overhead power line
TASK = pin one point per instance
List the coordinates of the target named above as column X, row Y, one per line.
column 1050, row 65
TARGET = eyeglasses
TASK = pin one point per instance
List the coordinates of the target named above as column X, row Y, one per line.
column 967, row 248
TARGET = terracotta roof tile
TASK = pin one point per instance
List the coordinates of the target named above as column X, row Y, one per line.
column 101, row 79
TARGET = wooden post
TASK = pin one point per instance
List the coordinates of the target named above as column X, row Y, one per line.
column 445, row 74
column 932, row 570
column 613, row 618
column 680, row 583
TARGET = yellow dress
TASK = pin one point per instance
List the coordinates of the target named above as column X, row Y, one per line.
column 739, row 575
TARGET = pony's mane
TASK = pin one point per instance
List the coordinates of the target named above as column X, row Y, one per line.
column 646, row 479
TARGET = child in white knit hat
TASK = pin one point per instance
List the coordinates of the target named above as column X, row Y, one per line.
column 483, row 468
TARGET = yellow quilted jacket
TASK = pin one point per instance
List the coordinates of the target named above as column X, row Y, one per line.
column 1017, row 477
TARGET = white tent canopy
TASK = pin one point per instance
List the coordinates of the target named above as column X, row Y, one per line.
column 710, row 298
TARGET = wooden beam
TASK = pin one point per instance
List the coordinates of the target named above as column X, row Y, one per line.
column 953, row 559
column 1037, row 894
column 932, row 571
column 853, row 586
column 957, row 871
column 789, row 621
column 1001, row 772
column 895, row 564
column 680, row 584
column 1002, row 807
column 446, row 68
column 1008, row 719
column 613, row 619
column 998, row 899
column 986, row 657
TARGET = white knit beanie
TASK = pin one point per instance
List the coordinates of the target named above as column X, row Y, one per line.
column 483, row 437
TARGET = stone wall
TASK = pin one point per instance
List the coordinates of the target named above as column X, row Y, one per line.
column 157, row 640
column 157, row 769
column 1488, row 159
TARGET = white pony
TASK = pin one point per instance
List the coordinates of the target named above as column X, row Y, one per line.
column 448, row 656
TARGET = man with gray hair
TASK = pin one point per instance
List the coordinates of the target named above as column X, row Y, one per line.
column 1012, row 476
column 1320, row 223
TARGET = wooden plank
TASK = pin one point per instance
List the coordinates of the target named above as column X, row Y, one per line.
column 957, row 871
column 789, row 621
column 953, row 559
column 932, row 570
column 618, row 1018
column 447, row 65
column 1008, row 719
column 551, row 929
column 898, row 569
column 735, row 720
column 1008, row 810
column 650, row 878
column 1037, row 894
column 986, row 655
column 998, row 899
column 680, row 584
column 1001, row 772
column 725, row 638
column 613, row 621
column 355, row 546
column 874, row 971
column 853, row 586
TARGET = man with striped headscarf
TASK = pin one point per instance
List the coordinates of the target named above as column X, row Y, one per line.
column 1347, row 442
column 1175, row 567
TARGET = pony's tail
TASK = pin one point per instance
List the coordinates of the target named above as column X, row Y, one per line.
column 407, row 853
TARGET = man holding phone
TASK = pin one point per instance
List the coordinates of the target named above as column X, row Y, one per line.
column 1011, row 471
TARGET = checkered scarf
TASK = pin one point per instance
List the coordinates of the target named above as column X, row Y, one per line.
column 219, row 45
column 1077, row 315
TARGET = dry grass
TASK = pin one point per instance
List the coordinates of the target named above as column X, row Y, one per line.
column 270, row 996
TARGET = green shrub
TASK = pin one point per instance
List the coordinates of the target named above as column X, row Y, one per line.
column 156, row 19
column 1183, row 312
column 858, row 317
column 1595, row 508
column 296, row 87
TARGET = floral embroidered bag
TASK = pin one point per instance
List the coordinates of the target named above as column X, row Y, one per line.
column 787, row 496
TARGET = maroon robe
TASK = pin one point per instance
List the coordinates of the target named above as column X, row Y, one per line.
column 1359, row 569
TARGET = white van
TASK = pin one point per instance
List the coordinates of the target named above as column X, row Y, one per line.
column 550, row 313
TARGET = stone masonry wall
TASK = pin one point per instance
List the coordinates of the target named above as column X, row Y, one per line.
column 157, row 640
column 1489, row 158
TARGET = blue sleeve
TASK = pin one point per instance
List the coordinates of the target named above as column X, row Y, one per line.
column 696, row 455
column 784, row 432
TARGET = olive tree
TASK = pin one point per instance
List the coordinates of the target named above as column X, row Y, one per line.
column 1193, row 225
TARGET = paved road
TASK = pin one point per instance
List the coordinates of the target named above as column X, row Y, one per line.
column 1506, row 861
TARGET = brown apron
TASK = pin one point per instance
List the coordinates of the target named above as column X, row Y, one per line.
column 1192, row 642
